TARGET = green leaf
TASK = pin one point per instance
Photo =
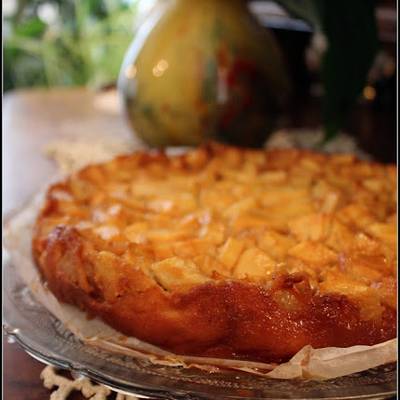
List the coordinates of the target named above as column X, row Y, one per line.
column 350, row 28
column 33, row 27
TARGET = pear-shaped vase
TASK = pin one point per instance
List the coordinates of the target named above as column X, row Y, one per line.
column 202, row 70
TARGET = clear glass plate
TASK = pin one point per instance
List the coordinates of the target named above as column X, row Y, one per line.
column 47, row 340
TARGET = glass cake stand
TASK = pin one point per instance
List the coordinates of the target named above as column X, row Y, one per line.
column 46, row 339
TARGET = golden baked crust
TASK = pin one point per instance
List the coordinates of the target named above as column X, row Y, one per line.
column 227, row 252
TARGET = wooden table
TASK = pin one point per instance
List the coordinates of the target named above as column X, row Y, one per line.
column 33, row 118
column 30, row 120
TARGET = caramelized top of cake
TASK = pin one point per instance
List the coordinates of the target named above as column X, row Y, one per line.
column 220, row 213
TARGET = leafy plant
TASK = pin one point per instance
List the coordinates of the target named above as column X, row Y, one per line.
column 351, row 33
column 80, row 42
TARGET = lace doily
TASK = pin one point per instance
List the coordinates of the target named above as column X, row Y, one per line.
column 72, row 153
column 66, row 386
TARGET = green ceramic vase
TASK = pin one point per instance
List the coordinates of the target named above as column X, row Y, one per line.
column 200, row 70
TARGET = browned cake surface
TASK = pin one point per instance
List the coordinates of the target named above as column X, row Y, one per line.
column 227, row 252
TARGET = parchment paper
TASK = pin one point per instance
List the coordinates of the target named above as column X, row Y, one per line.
column 308, row 363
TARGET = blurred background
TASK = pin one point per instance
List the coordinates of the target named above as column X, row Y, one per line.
column 51, row 43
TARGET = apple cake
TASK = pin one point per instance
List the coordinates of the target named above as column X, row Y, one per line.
column 227, row 252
